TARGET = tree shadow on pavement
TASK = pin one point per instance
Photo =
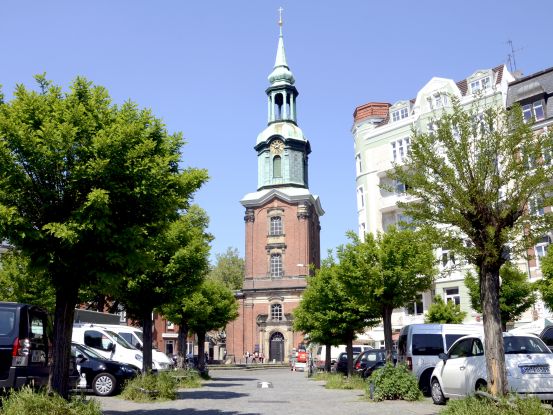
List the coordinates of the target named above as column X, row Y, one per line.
column 223, row 379
column 221, row 385
column 200, row 394
column 185, row 411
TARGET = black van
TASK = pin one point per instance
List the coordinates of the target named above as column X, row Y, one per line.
column 24, row 345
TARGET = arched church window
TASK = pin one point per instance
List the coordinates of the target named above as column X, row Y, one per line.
column 276, row 265
column 276, row 312
column 276, row 226
column 277, row 166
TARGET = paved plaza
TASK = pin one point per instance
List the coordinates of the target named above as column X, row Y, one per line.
column 265, row 392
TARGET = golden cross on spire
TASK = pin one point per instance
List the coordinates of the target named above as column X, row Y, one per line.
column 280, row 10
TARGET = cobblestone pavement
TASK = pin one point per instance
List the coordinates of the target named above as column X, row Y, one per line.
column 265, row 392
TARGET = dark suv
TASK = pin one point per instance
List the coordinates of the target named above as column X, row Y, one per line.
column 547, row 336
column 24, row 345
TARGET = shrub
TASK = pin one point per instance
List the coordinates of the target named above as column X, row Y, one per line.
column 28, row 402
column 187, row 378
column 392, row 383
column 150, row 387
column 477, row 406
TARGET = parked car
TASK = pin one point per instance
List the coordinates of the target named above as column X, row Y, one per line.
column 102, row 375
column 462, row 371
column 133, row 335
column 107, row 343
column 547, row 336
column 24, row 345
column 420, row 344
column 367, row 362
column 335, row 351
column 342, row 362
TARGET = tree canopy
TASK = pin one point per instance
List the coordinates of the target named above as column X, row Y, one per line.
column 387, row 271
column 177, row 263
column 516, row 293
column 84, row 184
column 229, row 269
column 472, row 179
column 444, row 312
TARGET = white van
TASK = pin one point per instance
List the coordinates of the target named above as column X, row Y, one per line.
column 335, row 352
column 133, row 335
column 107, row 343
column 420, row 344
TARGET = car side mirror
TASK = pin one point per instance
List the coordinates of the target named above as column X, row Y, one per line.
column 443, row 356
column 111, row 347
column 80, row 358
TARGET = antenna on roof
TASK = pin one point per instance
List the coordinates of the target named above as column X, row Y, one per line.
column 511, row 56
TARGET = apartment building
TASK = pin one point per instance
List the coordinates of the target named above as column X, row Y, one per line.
column 382, row 136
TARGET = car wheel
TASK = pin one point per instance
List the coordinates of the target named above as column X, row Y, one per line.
column 437, row 394
column 104, row 384
column 481, row 385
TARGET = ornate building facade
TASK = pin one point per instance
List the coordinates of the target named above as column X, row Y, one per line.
column 282, row 229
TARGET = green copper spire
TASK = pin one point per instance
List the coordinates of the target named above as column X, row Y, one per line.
column 281, row 72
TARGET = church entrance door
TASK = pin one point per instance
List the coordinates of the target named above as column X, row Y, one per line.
column 276, row 347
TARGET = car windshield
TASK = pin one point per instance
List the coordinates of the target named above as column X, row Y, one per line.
column 138, row 334
column 89, row 352
column 524, row 345
column 120, row 340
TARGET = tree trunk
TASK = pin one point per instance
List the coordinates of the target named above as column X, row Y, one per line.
column 493, row 344
column 66, row 299
column 201, row 351
column 147, row 347
column 349, row 351
column 182, row 341
column 328, row 357
column 387, row 323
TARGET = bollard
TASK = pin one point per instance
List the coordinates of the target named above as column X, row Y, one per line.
column 371, row 390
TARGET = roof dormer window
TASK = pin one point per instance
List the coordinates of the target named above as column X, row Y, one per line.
column 400, row 114
column 438, row 100
column 480, row 84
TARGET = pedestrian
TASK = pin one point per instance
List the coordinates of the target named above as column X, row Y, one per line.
column 261, row 357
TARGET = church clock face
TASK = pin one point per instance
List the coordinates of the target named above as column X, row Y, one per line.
column 277, row 146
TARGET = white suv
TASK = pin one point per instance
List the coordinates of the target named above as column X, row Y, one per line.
column 462, row 371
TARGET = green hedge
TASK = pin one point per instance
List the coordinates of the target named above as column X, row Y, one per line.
column 480, row 406
column 29, row 402
column 150, row 387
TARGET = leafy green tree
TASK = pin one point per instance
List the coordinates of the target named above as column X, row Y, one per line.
column 387, row 271
column 443, row 313
column 177, row 262
column 229, row 269
column 326, row 313
column 21, row 284
column 211, row 307
column 516, row 293
column 83, row 185
column 545, row 286
column 472, row 181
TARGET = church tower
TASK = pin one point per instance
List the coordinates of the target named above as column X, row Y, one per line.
column 282, row 228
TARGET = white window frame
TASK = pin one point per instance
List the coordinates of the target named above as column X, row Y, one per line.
column 360, row 198
column 480, row 84
column 447, row 259
column 358, row 164
column 400, row 114
column 276, row 227
column 413, row 308
column 276, row 269
column 277, row 312
column 451, row 295
column 400, row 149
column 529, row 111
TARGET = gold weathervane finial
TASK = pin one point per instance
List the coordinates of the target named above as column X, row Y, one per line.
column 280, row 10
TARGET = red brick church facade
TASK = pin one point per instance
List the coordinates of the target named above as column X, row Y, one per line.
column 282, row 230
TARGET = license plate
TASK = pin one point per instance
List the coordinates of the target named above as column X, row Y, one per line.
column 535, row 370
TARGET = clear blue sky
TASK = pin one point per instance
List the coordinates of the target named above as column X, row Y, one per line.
column 202, row 67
